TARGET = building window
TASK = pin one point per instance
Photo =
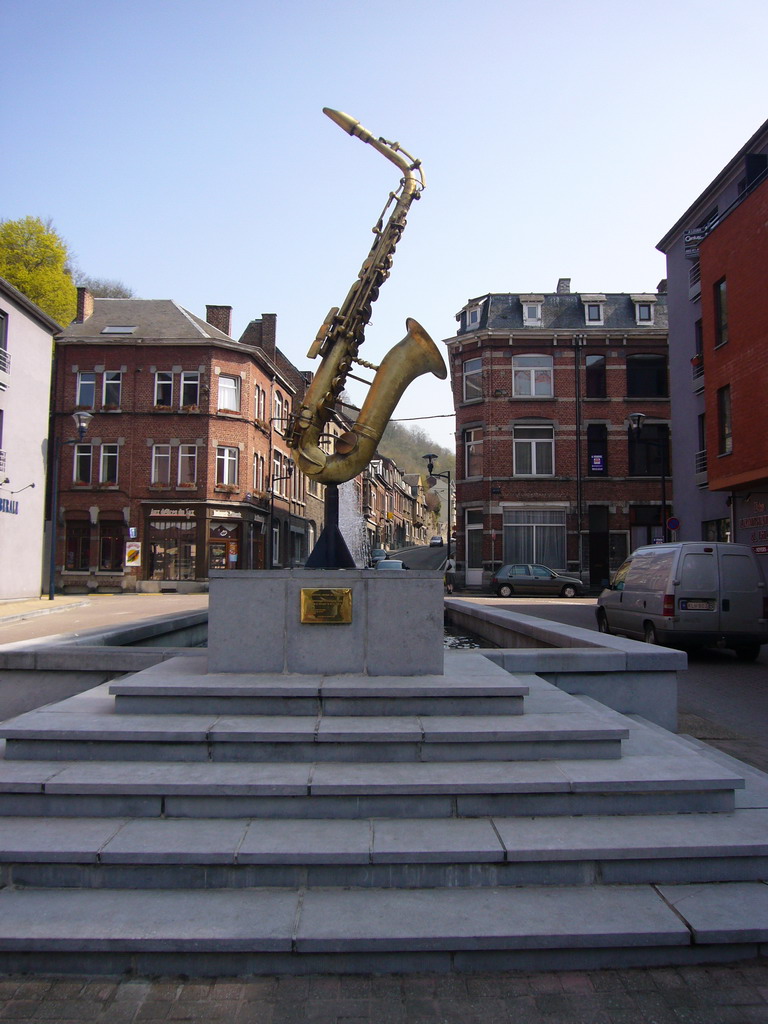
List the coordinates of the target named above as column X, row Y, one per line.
column 112, row 388
column 229, row 394
column 108, row 464
column 86, row 390
column 531, row 314
column 172, row 549
column 535, row 536
column 473, row 317
column 226, row 465
column 724, row 426
column 111, row 546
column 187, row 464
column 534, row 451
column 164, row 389
column 258, row 404
column 473, row 379
column 595, row 373
column 597, row 449
column 593, row 309
column 532, row 376
column 721, row 312
column 647, row 376
column 649, row 453
column 190, row 388
column 161, row 465
column 644, row 313
column 473, row 451
column 78, row 545
column 83, row 465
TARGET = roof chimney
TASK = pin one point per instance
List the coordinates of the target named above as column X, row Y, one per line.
column 84, row 305
column 564, row 286
column 219, row 317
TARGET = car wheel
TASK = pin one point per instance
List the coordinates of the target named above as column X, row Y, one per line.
column 602, row 622
column 505, row 590
column 650, row 634
column 747, row 652
column 568, row 591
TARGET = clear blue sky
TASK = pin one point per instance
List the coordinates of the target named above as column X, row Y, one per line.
column 179, row 146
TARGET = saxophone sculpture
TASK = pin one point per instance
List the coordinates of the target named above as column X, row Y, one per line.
column 342, row 333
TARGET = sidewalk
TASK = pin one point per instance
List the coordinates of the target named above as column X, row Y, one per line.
column 730, row 994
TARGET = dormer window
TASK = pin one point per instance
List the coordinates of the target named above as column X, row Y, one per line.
column 593, row 309
column 531, row 310
column 644, row 309
column 473, row 317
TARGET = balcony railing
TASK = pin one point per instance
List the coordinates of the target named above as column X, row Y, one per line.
column 5, row 360
column 2, row 461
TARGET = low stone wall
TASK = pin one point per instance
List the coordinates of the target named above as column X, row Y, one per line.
column 633, row 678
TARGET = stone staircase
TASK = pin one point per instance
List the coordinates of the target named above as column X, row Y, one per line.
column 179, row 821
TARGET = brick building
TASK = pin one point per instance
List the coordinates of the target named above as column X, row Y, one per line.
column 716, row 263
column 547, row 467
column 717, row 254
column 184, row 466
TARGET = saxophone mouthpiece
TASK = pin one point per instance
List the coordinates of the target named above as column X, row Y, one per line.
column 349, row 124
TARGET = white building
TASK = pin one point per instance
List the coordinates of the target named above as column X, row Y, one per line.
column 26, row 350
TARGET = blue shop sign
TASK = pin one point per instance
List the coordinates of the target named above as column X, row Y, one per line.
column 11, row 507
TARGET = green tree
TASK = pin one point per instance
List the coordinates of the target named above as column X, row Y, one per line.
column 35, row 259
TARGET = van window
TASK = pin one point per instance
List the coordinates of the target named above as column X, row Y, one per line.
column 621, row 575
column 738, row 573
column 651, row 569
column 699, row 571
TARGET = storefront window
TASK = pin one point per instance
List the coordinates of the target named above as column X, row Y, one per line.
column 78, row 546
column 111, row 546
column 172, row 549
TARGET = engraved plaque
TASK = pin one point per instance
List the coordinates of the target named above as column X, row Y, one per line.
column 330, row 606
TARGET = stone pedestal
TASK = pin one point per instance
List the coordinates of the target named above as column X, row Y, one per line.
column 395, row 628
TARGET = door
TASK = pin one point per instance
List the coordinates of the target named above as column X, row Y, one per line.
column 741, row 596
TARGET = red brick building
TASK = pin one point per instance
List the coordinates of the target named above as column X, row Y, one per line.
column 734, row 308
column 547, row 468
column 183, row 468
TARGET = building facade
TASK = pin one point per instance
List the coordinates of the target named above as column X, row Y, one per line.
column 26, row 352
column 716, row 265
column 184, row 467
column 548, row 467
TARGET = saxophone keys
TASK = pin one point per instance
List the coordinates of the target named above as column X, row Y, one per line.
column 316, row 345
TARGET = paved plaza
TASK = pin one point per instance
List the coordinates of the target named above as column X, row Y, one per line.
column 723, row 994
column 717, row 994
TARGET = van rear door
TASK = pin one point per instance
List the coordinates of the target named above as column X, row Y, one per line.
column 741, row 596
column 696, row 591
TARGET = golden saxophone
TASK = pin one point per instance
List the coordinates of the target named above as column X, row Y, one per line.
column 342, row 333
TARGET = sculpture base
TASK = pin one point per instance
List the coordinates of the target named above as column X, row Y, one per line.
column 395, row 628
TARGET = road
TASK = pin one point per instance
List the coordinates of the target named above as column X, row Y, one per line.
column 423, row 557
column 720, row 700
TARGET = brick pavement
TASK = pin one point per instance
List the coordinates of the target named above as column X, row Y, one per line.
column 723, row 994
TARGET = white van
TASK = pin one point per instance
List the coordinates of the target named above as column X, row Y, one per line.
column 689, row 594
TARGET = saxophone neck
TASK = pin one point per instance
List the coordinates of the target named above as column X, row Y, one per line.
column 393, row 151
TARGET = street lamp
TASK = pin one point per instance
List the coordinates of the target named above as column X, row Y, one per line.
column 432, row 480
column 82, row 419
column 276, row 479
column 636, row 420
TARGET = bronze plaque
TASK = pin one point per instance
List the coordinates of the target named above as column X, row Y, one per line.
column 331, row 606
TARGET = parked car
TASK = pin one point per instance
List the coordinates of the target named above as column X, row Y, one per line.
column 435, row 542
column 377, row 554
column 689, row 594
column 534, row 579
column 391, row 563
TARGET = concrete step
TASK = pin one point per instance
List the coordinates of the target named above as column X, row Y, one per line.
column 158, row 853
column 643, row 783
column 471, row 685
column 103, row 735
column 320, row 930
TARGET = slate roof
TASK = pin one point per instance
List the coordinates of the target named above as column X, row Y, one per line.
column 156, row 319
column 563, row 312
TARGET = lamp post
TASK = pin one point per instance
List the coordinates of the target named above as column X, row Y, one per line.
column 636, row 420
column 82, row 419
column 276, row 479
column 432, row 480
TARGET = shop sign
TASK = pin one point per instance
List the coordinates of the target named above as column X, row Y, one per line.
column 133, row 554
column 187, row 513
column 223, row 513
column 11, row 507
